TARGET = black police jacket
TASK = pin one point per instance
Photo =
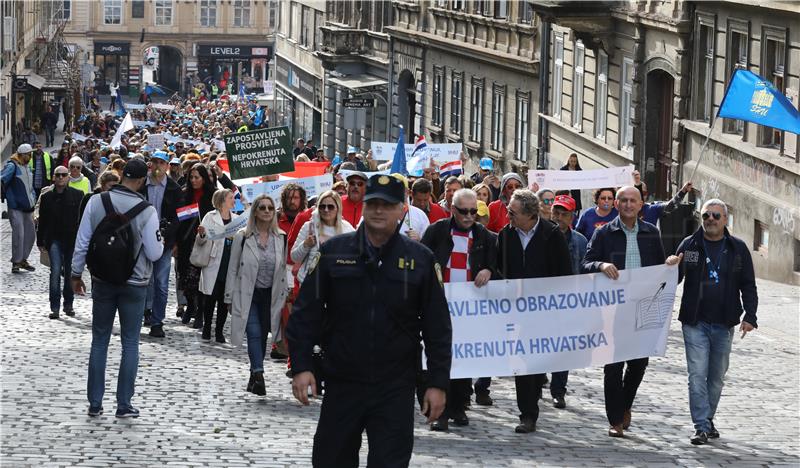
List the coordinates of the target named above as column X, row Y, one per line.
column 367, row 311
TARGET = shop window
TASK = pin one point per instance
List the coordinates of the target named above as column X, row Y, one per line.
column 772, row 68
column 601, row 96
column 577, row 85
column 704, row 68
column 736, row 57
column 137, row 9
column 112, row 12
column 498, row 117
column 522, row 127
column 241, row 13
column 761, row 237
column 558, row 74
column 476, row 111
column 456, row 100
column 208, row 13
column 163, row 12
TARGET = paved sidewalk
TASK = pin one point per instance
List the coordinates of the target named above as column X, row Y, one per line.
column 195, row 411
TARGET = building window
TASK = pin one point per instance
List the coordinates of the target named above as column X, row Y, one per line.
column 241, row 13
column 476, row 111
column 601, row 96
column 704, row 84
column 456, row 100
column 500, row 8
column 438, row 92
column 522, row 127
column 498, row 117
column 736, row 57
column 137, row 9
column 526, row 13
column 577, row 85
column 163, row 12
column 306, row 26
column 208, row 13
column 626, row 105
column 273, row 14
column 773, row 62
column 761, row 237
column 112, row 12
column 65, row 12
column 458, row 5
column 558, row 74
column 481, row 7
column 319, row 21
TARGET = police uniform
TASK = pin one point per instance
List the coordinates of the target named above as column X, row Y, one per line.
column 367, row 307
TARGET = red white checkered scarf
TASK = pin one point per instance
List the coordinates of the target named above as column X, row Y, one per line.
column 457, row 268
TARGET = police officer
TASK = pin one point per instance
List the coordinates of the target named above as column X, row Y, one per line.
column 365, row 303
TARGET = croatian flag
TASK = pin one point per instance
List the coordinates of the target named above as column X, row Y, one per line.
column 188, row 212
column 419, row 145
column 452, row 168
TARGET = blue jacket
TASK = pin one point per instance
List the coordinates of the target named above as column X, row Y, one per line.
column 577, row 249
column 608, row 245
column 18, row 185
column 740, row 290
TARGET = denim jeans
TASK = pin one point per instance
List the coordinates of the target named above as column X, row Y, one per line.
column 60, row 268
column 158, row 289
column 106, row 300
column 258, row 327
column 708, row 348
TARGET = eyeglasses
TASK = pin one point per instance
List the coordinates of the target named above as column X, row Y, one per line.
column 71, row 166
column 467, row 211
column 326, row 207
column 709, row 214
column 605, row 198
column 60, row 174
column 548, row 201
column 265, row 208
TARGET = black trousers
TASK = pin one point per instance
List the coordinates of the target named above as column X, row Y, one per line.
column 457, row 397
column 529, row 390
column 217, row 298
column 385, row 411
column 620, row 390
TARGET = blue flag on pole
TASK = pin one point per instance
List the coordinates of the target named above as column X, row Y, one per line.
column 120, row 106
column 259, row 116
column 241, row 90
column 752, row 98
column 399, row 159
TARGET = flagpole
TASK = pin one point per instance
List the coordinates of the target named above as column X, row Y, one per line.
column 703, row 149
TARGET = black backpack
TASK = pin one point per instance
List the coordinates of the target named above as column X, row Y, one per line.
column 110, row 256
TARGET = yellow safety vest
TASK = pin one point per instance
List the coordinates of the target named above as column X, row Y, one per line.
column 48, row 161
column 242, row 129
column 82, row 185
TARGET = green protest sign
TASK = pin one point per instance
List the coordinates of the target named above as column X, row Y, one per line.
column 260, row 152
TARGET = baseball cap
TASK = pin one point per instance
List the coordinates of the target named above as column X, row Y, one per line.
column 487, row 164
column 175, row 161
column 565, row 201
column 483, row 210
column 162, row 155
column 135, row 169
column 386, row 188
column 24, row 148
column 357, row 174
column 401, row 178
column 351, row 149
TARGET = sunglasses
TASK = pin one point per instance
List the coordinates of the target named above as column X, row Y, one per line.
column 327, row 207
column 75, row 167
column 467, row 211
column 60, row 174
column 709, row 214
column 265, row 208
column 548, row 201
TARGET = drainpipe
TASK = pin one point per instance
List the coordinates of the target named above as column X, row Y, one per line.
column 390, row 88
column 544, row 84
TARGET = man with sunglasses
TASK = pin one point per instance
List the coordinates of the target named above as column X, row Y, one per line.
column 59, row 210
column 719, row 286
column 353, row 202
column 468, row 252
column 370, row 300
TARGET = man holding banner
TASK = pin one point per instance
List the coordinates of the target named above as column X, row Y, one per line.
column 530, row 247
column 625, row 243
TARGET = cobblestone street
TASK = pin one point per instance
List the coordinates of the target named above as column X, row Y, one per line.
column 195, row 411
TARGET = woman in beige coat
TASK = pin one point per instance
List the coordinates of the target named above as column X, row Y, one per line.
column 257, row 286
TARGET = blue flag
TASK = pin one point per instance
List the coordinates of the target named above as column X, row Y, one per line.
column 120, row 106
column 399, row 160
column 752, row 98
column 241, row 90
column 259, row 116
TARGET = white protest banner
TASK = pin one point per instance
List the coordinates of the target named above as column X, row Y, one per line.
column 143, row 123
column 313, row 186
column 440, row 152
column 219, row 145
column 163, row 107
column 79, row 137
column 155, row 141
column 230, row 229
column 588, row 179
column 345, row 173
column 135, row 106
column 533, row 326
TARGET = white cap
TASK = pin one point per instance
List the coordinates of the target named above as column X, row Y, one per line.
column 24, row 148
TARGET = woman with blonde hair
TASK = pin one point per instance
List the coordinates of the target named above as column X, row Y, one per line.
column 484, row 192
column 257, row 286
column 326, row 221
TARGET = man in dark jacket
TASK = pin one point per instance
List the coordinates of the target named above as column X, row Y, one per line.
column 720, row 285
column 49, row 122
column 371, row 339
column 468, row 252
column 530, row 247
column 626, row 242
column 165, row 196
column 58, row 226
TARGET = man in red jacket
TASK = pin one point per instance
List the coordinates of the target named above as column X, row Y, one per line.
column 421, row 192
column 498, row 213
column 353, row 202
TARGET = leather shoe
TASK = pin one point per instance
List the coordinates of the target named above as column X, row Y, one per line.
column 157, row 331
column 251, row 382
column 559, row 402
column 616, row 431
column 460, row 419
column 626, row 419
column 525, row 426
column 440, row 425
column 259, row 387
column 483, row 399
column 713, row 433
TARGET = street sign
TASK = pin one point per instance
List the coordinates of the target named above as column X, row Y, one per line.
column 358, row 103
column 259, row 153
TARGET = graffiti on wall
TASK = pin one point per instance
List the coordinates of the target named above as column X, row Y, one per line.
column 783, row 218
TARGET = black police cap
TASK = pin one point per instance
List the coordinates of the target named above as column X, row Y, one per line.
column 385, row 187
